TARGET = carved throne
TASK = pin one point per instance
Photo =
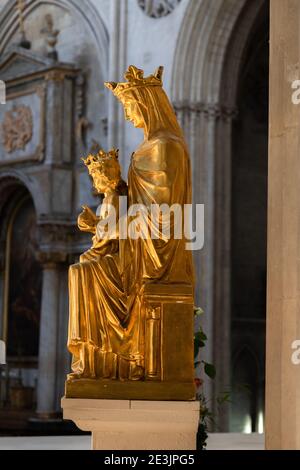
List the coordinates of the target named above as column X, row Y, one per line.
column 169, row 366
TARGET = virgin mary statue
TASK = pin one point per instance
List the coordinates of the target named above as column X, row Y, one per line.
column 111, row 300
column 159, row 173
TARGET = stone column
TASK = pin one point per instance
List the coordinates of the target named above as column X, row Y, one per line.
column 2, row 313
column 118, row 65
column 63, row 355
column 58, row 133
column 47, row 372
column 2, row 267
column 283, row 290
column 207, row 128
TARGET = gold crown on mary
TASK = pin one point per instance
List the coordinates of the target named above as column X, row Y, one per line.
column 135, row 79
column 96, row 162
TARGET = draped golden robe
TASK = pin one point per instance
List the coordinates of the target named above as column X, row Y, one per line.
column 131, row 300
column 106, row 328
column 160, row 173
column 97, row 307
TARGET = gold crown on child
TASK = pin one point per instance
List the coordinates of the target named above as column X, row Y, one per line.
column 95, row 162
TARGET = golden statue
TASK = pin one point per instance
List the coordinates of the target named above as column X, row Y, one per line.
column 99, row 337
column 131, row 298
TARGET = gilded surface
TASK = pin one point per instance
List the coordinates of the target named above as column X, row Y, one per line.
column 114, row 331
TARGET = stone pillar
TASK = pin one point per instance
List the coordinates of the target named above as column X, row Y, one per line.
column 118, row 65
column 208, row 132
column 2, row 267
column 2, row 346
column 63, row 355
column 283, row 289
column 199, row 133
column 221, row 269
column 47, row 372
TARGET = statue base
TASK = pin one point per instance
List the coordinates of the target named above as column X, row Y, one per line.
column 135, row 424
column 129, row 390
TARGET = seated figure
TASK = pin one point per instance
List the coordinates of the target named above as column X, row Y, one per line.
column 98, row 334
column 131, row 299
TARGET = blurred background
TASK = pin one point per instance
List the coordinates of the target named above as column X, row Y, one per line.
column 54, row 57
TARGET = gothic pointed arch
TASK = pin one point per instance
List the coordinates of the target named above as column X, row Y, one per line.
column 84, row 9
column 20, row 291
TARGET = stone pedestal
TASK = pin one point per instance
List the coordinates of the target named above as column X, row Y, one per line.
column 135, row 424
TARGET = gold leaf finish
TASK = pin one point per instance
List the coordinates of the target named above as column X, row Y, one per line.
column 131, row 300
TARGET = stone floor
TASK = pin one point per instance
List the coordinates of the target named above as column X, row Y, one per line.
column 215, row 442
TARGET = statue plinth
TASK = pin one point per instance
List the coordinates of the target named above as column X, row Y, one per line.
column 135, row 425
column 169, row 356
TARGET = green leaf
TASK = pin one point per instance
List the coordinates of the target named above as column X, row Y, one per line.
column 198, row 311
column 224, row 398
column 197, row 345
column 210, row 370
column 199, row 342
column 202, row 336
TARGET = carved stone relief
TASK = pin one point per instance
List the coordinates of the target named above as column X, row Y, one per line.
column 17, row 128
column 22, row 125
